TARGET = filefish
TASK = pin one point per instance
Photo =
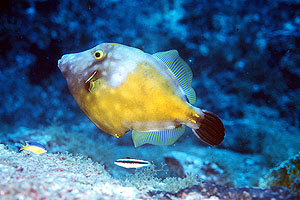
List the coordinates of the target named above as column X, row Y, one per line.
column 132, row 163
column 34, row 147
column 122, row 88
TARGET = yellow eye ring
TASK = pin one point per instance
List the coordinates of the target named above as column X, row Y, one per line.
column 98, row 54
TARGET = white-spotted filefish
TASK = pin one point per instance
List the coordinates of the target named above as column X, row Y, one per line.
column 121, row 88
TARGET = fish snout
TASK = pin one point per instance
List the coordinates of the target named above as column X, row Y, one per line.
column 75, row 63
column 62, row 63
column 68, row 63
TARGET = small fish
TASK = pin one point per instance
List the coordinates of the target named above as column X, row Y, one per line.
column 34, row 147
column 121, row 88
column 132, row 163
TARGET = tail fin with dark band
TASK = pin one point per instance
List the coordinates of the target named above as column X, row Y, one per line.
column 211, row 129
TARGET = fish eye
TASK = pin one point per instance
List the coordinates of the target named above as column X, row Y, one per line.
column 98, row 54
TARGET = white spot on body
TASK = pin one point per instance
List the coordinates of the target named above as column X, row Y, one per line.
column 116, row 80
column 153, row 126
column 170, row 127
column 117, row 55
column 75, row 69
column 119, row 67
column 86, row 74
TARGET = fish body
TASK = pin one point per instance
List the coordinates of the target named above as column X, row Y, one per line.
column 121, row 88
column 34, row 147
column 132, row 163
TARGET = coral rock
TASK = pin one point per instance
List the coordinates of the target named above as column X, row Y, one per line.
column 287, row 175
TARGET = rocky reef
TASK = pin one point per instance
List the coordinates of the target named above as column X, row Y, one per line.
column 287, row 175
column 218, row 192
column 56, row 176
column 63, row 176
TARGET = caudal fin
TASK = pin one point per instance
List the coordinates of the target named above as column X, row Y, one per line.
column 20, row 146
column 211, row 129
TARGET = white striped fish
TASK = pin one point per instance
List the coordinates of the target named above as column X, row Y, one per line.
column 132, row 163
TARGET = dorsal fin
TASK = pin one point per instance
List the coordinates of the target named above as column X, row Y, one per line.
column 181, row 71
column 162, row 138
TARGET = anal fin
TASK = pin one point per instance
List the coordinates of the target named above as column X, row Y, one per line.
column 161, row 138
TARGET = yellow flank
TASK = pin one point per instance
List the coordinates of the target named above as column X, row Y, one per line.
column 145, row 97
column 34, row 149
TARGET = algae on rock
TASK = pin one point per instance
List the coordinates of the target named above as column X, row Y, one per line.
column 287, row 175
